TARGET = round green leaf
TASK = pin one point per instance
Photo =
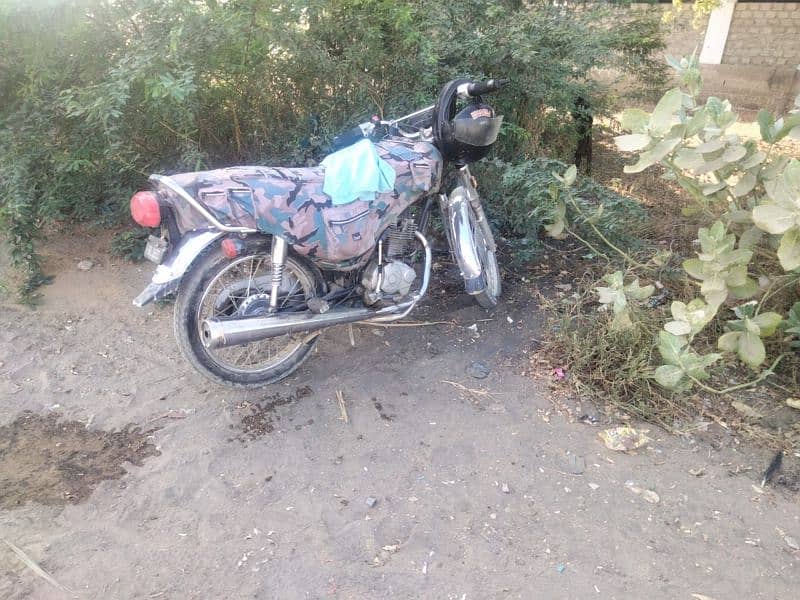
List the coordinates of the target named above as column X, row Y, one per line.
column 669, row 376
column 678, row 328
column 751, row 349
column 772, row 218
column 789, row 249
column 729, row 342
column 767, row 322
column 633, row 142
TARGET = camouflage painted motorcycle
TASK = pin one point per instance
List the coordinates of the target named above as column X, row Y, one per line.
column 262, row 260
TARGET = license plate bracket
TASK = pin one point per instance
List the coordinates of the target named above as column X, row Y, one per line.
column 156, row 249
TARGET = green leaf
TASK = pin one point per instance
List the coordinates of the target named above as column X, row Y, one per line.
column 678, row 328
column 767, row 322
column 712, row 188
column 687, row 158
column 711, row 145
column 729, row 342
column 652, row 156
column 773, row 219
column 570, row 174
column 664, row 112
column 638, row 293
column 669, row 376
column 695, row 365
column 751, row 349
column 734, row 153
column 621, row 321
column 694, row 267
column 747, row 290
column 744, row 186
column 670, row 347
column 635, row 120
column 633, row 142
column 789, row 249
column 754, row 159
column 765, row 123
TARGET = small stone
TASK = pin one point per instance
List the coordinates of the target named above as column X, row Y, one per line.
column 85, row 265
column 651, row 497
column 478, row 370
column 572, row 464
column 505, row 488
column 791, row 542
column 371, row 502
column 793, row 403
column 594, row 486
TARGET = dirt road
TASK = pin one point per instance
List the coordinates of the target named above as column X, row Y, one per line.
column 266, row 495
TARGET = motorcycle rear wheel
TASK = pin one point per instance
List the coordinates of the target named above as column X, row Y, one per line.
column 219, row 286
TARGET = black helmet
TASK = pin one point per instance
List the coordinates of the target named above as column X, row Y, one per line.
column 467, row 136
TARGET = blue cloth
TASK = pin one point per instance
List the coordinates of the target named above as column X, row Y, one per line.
column 356, row 172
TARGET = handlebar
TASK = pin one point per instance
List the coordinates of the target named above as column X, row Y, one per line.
column 471, row 89
column 479, row 88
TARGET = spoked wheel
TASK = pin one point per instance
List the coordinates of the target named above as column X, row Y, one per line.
column 229, row 288
column 484, row 241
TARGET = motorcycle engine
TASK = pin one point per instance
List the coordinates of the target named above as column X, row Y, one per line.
column 394, row 277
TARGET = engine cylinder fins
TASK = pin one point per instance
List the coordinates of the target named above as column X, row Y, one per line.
column 400, row 237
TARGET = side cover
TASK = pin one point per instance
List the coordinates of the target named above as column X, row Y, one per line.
column 290, row 202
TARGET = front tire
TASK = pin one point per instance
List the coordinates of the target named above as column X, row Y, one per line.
column 219, row 286
column 484, row 242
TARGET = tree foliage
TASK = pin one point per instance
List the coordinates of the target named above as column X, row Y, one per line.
column 96, row 94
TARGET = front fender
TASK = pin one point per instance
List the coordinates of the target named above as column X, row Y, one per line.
column 168, row 275
column 455, row 209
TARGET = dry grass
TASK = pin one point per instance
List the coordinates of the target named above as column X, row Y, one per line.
column 615, row 369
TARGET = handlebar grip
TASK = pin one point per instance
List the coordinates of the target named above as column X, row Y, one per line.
column 478, row 88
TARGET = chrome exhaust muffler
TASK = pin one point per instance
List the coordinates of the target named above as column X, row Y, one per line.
column 221, row 333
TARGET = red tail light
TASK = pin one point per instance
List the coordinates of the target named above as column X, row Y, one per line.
column 145, row 210
column 232, row 248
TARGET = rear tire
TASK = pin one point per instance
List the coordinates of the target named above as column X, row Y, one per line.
column 198, row 288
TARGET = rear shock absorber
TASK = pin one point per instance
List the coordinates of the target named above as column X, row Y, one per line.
column 279, row 251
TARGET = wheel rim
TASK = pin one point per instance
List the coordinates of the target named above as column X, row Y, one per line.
column 242, row 289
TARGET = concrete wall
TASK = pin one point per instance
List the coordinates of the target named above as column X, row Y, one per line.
column 764, row 33
column 762, row 50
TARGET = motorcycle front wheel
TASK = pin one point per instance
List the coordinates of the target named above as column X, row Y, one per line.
column 218, row 286
column 484, row 242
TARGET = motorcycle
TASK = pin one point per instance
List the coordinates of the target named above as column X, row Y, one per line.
column 262, row 259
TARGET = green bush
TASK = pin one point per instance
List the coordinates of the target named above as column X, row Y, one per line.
column 530, row 197
column 96, row 95
column 747, row 269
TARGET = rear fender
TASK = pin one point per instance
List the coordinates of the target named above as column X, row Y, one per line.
column 168, row 275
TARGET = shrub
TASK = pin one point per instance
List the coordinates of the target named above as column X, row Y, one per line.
column 96, row 95
column 749, row 199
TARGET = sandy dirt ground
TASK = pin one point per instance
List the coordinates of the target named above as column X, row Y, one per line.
column 496, row 494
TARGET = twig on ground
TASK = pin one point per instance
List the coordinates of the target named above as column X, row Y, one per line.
column 31, row 564
column 476, row 394
column 342, row 407
column 169, row 415
column 352, row 337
